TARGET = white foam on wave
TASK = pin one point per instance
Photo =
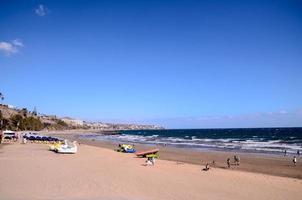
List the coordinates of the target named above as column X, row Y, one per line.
column 229, row 143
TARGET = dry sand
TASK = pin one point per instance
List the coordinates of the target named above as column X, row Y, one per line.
column 30, row 172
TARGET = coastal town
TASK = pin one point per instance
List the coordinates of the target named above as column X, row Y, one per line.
column 14, row 118
column 77, row 123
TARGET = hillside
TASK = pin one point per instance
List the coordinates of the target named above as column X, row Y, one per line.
column 22, row 119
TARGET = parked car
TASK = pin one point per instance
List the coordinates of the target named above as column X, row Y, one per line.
column 10, row 135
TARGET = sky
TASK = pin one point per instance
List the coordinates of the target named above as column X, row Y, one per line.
column 179, row 64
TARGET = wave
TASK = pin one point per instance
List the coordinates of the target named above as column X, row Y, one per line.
column 253, row 143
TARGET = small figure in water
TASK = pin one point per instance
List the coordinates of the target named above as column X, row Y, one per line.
column 298, row 152
column 229, row 162
column 295, row 160
column 285, row 152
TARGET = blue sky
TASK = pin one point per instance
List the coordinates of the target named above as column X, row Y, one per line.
column 180, row 64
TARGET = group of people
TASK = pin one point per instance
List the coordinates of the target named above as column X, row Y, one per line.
column 236, row 161
column 295, row 158
column 298, row 152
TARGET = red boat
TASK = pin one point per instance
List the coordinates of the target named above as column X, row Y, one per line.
column 148, row 152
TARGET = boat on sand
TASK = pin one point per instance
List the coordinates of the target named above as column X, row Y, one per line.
column 148, row 153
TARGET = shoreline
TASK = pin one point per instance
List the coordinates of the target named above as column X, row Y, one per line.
column 270, row 164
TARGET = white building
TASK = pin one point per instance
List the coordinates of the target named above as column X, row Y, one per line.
column 11, row 106
column 73, row 122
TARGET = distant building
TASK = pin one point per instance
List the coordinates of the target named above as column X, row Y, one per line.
column 73, row 122
column 11, row 106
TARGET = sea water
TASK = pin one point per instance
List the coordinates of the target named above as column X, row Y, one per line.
column 258, row 140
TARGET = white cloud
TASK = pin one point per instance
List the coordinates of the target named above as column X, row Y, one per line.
column 9, row 48
column 283, row 112
column 17, row 42
column 283, row 118
column 41, row 10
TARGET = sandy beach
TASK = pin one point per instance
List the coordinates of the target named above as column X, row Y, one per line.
column 32, row 172
column 277, row 165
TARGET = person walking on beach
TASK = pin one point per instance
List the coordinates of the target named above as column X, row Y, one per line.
column 1, row 137
column 295, row 160
column 229, row 162
column 153, row 161
column 237, row 160
column 150, row 161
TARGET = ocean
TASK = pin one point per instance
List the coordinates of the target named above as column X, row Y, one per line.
column 255, row 140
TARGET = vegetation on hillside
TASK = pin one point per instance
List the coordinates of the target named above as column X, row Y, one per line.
column 22, row 122
column 22, row 119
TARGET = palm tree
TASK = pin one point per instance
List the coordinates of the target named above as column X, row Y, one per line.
column 1, row 117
